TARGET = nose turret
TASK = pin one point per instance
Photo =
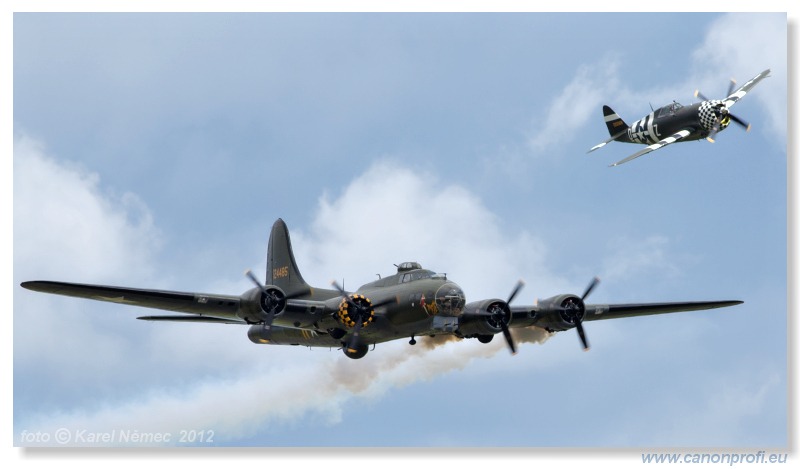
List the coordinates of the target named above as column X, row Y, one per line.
column 450, row 299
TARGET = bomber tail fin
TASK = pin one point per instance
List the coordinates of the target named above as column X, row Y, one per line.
column 616, row 127
column 282, row 269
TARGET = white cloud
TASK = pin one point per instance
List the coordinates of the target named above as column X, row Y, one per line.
column 742, row 45
column 741, row 399
column 66, row 226
column 391, row 214
column 580, row 101
column 60, row 209
column 631, row 258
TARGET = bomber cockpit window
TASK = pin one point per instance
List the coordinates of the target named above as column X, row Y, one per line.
column 420, row 274
column 416, row 275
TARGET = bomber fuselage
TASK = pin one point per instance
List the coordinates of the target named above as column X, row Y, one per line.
column 414, row 301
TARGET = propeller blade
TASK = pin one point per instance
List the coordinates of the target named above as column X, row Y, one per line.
column 730, row 87
column 516, row 290
column 353, row 343
column 341, row 291
column 344, row 294
column 698, row 94
column 509, row 339
column 591, row 286
column 249, row 274
column 267, row 326
column 582, row 334
column 714, row 131
column 741, row 122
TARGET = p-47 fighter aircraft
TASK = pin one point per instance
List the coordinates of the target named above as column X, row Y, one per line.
column 411, row 303
column 674, row 122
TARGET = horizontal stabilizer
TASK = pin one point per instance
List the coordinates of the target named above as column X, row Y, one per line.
column 608, row 140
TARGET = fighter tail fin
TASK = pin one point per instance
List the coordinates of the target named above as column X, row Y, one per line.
column 282, row 269
column 617, row 128
column 615, row 124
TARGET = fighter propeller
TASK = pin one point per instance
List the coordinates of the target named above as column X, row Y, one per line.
column 722, row 113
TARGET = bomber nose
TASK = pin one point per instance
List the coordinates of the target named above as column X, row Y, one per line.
column 450, row 299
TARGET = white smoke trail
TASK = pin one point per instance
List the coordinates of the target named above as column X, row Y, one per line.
column 239, row 408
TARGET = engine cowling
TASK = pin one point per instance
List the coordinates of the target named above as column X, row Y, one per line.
column 560, row 313
column 258, row 303
column 482, row 318
column 348, row 315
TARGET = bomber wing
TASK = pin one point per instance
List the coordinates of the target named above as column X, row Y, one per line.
column 671, row 139
column 207, row 306
column 566, row 312
column 596, row 312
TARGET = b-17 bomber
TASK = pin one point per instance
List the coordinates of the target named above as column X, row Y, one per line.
column 413, row 302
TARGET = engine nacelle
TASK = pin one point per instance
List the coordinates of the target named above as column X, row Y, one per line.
column 257, row 303
column 558, row 313
column 481, row 318
column 357, row 309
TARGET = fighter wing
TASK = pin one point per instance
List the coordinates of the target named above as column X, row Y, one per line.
column 217, row 306
column 739, row 94
column 671, row 139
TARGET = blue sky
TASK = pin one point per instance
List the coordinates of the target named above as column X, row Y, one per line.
column 157, row 150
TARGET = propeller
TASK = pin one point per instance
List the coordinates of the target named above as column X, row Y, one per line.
column 723, row 114
column 504, row 324
column 272, row 300
column 360, row 312
column 500, row 315
column 574, row 311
